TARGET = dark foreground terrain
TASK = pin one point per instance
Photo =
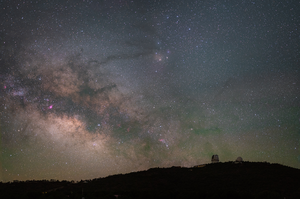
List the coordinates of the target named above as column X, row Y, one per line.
column 219, row 180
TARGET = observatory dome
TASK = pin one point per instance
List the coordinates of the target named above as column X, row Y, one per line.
column 214, row 159
column 239, row 159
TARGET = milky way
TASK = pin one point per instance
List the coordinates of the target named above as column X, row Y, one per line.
column 93, row 89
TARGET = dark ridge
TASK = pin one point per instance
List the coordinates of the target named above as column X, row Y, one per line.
column 218, row 180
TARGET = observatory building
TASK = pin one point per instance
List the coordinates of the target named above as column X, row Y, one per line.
column 239, row 160
column 214, row 159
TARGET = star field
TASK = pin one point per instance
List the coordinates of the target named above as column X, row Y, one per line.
column 90, row 89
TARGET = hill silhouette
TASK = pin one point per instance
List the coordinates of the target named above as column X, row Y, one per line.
column 218, row 180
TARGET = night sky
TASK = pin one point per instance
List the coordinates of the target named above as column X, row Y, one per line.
column 95, row 88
